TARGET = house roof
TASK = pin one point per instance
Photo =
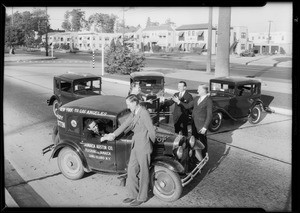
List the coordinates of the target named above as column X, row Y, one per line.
column 194, row 27
column 158, row 28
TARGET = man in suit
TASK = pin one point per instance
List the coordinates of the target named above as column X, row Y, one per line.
column 180, row 114
column 201, row 115
column 140, row 122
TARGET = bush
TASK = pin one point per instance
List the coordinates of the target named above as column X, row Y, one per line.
column 65, row 46
column 121, row 59
column 156, row 48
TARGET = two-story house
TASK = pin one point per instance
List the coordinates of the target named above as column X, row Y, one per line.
column 163, row 36
column 194, row 35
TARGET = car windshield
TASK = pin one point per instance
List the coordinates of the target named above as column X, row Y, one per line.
column 91, row 85
column 150, row 82
column 222, row 87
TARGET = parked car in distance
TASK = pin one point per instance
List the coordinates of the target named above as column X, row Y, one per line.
column 247, row 53
column 175, row 159
column 236, row 98
column 72, row 86
column 152, row 86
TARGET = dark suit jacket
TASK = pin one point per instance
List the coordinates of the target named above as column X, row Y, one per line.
column 202, row 113
column 143, row 128
column 179, row 109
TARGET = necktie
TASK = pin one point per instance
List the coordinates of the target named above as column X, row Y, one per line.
column 180, row 95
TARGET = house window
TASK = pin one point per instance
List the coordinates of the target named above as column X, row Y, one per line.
column 263, row 37
column 68, row 39
column 252, row 38
column 169, row 34
column 88, row 45
column 80, row 38
column 50, row 37
column 137, row 36
column 242, row 46
column 100, row 45
column 193, row 33
column 80, row 45
column 189, row 33
column 282, row 38
column 62, row 39
column 243, row 35
column 93, row 37
column 258, row 37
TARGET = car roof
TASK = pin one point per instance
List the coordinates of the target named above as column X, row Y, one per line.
column 76, row 76
column 108, row 104
column 150, row 74
column 235, row 80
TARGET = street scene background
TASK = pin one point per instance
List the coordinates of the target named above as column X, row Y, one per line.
column 249, row 166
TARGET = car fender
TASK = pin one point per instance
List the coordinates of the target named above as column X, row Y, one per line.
column 73, row 146
column 223, row 111
column 51, row 100
column 169, row 163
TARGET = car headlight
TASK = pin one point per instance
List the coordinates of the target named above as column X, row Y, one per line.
column 192, row 141
column 179, row 152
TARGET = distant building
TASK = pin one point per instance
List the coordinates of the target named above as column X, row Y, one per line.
column 163, row 36
column 239, row 40
column 279, row 42
column 194, row 36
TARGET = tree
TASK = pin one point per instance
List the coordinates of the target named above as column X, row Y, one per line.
column 122, row 60
column 102, row 22
column 74, row 20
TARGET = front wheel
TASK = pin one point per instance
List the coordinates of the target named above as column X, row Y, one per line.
column 55, row 106
column 216, row 122
column 70, row 164
column 166, row 184
column 255, row 114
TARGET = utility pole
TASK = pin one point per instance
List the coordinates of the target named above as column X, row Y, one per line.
column 208, row 64
column 222, row 60
column 269, row 36
column 46, row 33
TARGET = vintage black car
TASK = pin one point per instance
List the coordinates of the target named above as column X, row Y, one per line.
column 236, row 98
column 175, row 159
column 71, row 86
column 152, row 86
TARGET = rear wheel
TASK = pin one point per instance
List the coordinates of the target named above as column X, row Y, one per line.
column 165, row 183
column 255, row 114
column 70, row 164
column 216, row 122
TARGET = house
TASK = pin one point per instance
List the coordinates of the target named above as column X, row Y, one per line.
column 194, row 36
column 279, row 42
column 163, row 36
column 239, row 40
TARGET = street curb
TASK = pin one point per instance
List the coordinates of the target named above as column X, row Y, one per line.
column 30, row 59
column 277, row 110
column 9, row 201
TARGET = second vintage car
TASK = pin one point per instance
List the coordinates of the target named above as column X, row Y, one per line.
column 236, row 98
column 71, row 86
column 175, row 159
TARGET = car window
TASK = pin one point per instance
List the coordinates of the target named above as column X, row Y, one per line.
column 91, row 85
column 222, row 87
column 65, row 86
column 244, row 90
column 104, row 125
column 150, row 82
column 56, row 84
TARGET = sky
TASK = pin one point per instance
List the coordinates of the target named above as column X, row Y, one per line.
column 255, row 18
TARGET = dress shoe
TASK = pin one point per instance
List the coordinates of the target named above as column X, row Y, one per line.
column 136, row 203
column 128, row 200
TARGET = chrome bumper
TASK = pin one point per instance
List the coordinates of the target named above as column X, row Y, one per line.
column 195, row 171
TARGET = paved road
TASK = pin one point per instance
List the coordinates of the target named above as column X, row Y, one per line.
column 263, row 72
column 243, row 171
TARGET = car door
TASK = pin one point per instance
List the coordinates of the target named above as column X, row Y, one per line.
column 241, row 103
column 66, row 94
column 99, row 155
